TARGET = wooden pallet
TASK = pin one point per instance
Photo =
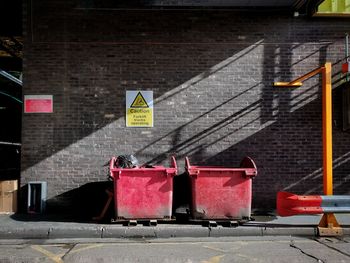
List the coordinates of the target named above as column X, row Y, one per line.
column 143, row 221
column 221, row 222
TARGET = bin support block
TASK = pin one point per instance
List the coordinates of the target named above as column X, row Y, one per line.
column 132, row 223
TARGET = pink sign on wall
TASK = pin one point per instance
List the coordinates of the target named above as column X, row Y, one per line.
column 38, row 104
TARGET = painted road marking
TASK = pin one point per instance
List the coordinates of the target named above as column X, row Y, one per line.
column 216, row 249
column 57, row 258
column 86, row 248
column 215, row 259
column 247, row 257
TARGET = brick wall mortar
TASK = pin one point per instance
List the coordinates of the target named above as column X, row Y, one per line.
column 211, row 73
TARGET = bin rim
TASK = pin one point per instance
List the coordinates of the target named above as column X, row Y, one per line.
column 247, row 162
column 159, row 168
column 219, row 168
column 247, row 168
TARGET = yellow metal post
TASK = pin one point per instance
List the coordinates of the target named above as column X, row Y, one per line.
column 328, row 225
column 327, row 129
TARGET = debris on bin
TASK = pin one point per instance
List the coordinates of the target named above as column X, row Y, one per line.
column 126, row 161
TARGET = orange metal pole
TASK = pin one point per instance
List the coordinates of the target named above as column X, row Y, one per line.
column 326, row 72
column 328, row 225
column 307, row 75
column 327, row 129
column 298, row 82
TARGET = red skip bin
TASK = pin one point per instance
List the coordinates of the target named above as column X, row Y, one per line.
column 143, row 192
column 221, row 193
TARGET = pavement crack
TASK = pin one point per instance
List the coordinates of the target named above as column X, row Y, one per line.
column 69, row 250
column 303, row 252
column 341, row 239
column 333, row 248
column 102, row 231
column 49, row 232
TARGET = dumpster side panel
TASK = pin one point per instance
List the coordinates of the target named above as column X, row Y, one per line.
column 221, row 195
column 143, row 194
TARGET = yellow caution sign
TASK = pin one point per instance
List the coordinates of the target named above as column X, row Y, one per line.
column 139, row 102
column 139, row 117
column 139, row 108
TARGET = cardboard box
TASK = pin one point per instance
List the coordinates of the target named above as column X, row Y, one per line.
column 8, row 196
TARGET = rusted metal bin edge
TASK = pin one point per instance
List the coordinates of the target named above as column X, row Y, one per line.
column 247, row 168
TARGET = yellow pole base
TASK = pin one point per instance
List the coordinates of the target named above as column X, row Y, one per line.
column 329, row 226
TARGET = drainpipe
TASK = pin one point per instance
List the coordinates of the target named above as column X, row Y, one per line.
column 10, row 77
column 347, row 52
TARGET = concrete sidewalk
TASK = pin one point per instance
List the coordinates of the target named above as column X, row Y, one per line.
column 20, row 226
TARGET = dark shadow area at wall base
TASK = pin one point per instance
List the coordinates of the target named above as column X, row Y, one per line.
column 77, row 205
column 181, row 197
column 86, row 202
